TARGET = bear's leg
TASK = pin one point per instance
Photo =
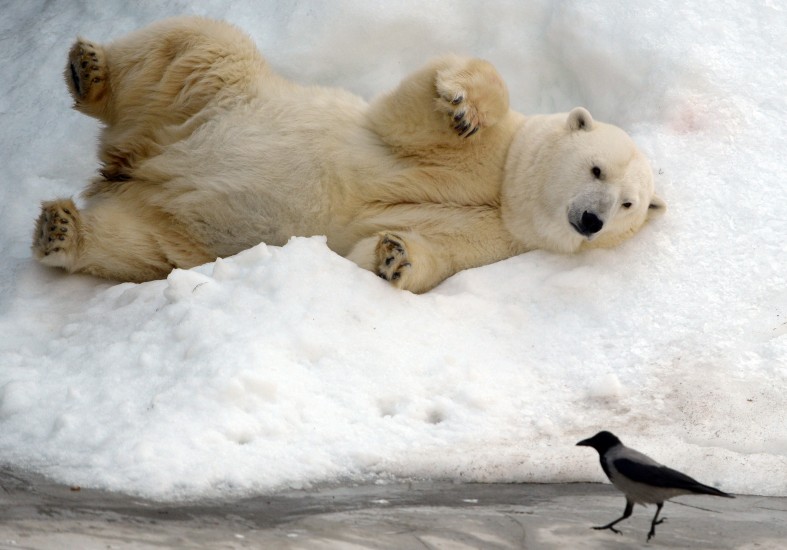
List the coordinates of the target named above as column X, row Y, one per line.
column 405, row 259
column 113, row 239
column 447, row 104
column 164, row 73
column 149, row 87
column 437, row 243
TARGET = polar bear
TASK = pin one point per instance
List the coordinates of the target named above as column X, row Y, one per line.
column 205, row 151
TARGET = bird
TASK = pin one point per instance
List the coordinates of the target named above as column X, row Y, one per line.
column 641, row 479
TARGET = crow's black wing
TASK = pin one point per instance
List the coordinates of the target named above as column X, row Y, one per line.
column 661, row 476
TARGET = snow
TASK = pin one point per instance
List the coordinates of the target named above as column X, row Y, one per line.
column 290, row 367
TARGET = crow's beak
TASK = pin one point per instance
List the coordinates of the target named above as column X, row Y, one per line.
column 584, row 443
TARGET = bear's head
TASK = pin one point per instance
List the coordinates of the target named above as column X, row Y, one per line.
column 573, row 183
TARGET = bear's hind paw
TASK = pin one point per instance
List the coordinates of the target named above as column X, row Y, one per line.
column 57, row 230
column 86, row 72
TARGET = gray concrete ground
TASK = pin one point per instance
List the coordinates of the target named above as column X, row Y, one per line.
column 38, row 514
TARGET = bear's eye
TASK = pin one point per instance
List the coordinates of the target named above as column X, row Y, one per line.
column 596, row 172
column 626, row 205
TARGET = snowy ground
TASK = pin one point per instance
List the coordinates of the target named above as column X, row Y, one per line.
column 285, row 367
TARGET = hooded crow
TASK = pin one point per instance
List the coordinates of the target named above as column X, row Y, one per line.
column 642, row 479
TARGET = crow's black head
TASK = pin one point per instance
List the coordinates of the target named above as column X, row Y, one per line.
column 602, row 442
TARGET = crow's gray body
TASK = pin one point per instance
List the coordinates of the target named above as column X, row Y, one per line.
column 641, row 479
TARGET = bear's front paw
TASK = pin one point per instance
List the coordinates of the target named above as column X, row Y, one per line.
column 464, row 117
column 56, row 233
column 86, row 72
column 473, row 96
column 392, row 258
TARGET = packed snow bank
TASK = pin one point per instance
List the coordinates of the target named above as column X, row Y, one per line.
column 289, row 366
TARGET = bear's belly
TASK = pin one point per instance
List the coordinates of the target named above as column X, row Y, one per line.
column 256, row 174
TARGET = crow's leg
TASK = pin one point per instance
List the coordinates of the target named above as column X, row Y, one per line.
column 626, row 513
column 654, row 523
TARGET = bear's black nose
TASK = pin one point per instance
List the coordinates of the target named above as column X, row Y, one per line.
column 588, row 224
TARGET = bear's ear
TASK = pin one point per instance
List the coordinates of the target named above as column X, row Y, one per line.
column 580, row 119
column 657, row 207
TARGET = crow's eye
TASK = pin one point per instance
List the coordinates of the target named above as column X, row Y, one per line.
column 626, row 205
column 596, row 172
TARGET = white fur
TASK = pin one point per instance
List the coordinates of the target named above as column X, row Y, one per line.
column 206, row 152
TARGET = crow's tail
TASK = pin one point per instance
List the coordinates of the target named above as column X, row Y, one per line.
column 701, row 489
